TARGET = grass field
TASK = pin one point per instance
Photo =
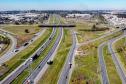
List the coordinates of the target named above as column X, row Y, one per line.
column 120, row 47
column 21, row 35
column 16, row 60
column 22, row 76
column 111, row 69
column 5, row 48
column 87, row 70
column 85, row 33
column 53, row 72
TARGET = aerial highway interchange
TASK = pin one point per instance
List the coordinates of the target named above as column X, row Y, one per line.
column 63, row 49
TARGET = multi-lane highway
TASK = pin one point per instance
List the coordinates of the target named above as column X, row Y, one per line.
column 64, row 77
column 44, row 61
column 23, row 66
column 105, row 79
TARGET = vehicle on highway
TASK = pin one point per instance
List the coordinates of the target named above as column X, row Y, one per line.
column 25, row 44
column 16, row 50
column 70, row 64
column 31, row 40
column 50, row 38
column 50, row 62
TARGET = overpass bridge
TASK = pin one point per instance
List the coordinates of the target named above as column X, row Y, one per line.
column 58, row 25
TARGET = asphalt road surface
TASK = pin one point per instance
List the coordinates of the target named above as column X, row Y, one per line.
column 105, row 79
column 44, row 61
column 116, row 60
column 64, row 77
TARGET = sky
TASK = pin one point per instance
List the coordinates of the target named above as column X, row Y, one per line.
column 62, row 4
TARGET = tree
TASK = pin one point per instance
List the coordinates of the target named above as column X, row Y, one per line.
column 26, row 31
column 94, row 28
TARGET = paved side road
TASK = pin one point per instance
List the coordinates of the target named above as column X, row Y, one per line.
column 116, row 60
column 65, row 73
column 105, row 79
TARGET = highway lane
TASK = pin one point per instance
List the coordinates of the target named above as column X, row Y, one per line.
column 64, row 76
column 34, row 74
column 27, row 63
column 116, row 60
column 103, row 70
column 45, row 67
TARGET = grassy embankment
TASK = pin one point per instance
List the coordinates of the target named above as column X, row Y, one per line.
column 110, row 66
column 120, row 48
column 86, row 33
column 19, row 31
column 5, row 47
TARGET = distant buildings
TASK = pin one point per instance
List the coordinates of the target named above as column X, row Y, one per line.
column 84, row 16
column 22, row 18
column 115, row 20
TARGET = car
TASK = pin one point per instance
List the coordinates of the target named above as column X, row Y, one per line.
column 50, row 38
column 25, row 44
column 31, row 40
column 16, row 50
column 39, row 66
column 50, row 62
column 70, row 64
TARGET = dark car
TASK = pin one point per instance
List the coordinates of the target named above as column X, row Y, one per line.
column 16, row 50
column 26, row 44
column 50, row 62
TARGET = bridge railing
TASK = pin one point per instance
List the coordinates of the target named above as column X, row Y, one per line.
column 57, row 25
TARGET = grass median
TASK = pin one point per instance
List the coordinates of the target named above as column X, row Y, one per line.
column 52, row 74
column 22, row 76
column 87, row 69
column 110, row 66
column 24, row 54
column 120, row 48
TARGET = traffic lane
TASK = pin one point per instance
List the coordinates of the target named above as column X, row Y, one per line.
column 41, row 65
column 104, row 74
column 116, row 62
column 38, row 77
column 66, row 69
